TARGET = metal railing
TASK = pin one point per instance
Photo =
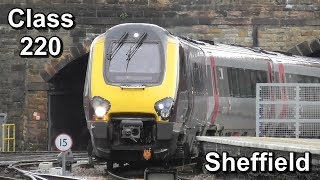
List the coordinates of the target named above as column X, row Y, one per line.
column 8, row 137
column 288, row 110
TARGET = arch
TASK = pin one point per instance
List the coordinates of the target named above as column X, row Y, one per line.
column 66, row 76
column 76, row 51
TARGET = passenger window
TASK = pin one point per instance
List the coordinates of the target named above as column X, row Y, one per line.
column 222, row 81
column 183, row 64
column 183, row 70
column 262, row 77
column 253, row 77
column 220, row 70
column 259, row 77
column 308, row 79
column 198, row 78
column 230, row 82
column 242, row 78
column 242, row 82
column 234, row 76
column 201, row 78
column 248, row 82
column 195, row 78
column 209, row 80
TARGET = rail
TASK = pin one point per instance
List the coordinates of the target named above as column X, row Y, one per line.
column 21, row 167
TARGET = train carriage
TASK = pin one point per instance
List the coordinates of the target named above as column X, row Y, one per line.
column 148, row 93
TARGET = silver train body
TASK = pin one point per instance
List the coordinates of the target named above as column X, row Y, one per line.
column 235, row 71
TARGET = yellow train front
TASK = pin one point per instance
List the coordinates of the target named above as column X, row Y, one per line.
column 130, row 92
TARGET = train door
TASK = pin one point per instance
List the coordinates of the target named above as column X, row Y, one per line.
column 185, row 64
column 182, row 110
column 194, row 64
column 198, row 89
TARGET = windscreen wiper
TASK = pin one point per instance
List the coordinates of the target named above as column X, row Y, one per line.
column 117, row 46
column 134, row 48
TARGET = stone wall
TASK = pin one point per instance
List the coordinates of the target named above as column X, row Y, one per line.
column 12, row 77
column 271, row 24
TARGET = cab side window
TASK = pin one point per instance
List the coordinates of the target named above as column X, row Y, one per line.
column 182, row 107
column 198, row 76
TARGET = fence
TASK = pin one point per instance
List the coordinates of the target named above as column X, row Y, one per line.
column 288, row 110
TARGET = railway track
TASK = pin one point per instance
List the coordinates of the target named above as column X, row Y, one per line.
column 10, row 157
column 25, row 169
column 20, row 165
column 17, row 172
column 180, row 171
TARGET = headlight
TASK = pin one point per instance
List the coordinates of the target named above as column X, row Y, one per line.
column 163, row 107
column 100, row 106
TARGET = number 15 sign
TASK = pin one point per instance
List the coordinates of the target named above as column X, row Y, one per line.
column 63, row 142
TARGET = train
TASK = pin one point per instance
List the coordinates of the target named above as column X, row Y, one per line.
column 149, row 93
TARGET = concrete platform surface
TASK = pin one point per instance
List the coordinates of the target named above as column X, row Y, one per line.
column 281, row 144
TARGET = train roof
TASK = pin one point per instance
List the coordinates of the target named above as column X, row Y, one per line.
column 226, row 50
column 153, row 32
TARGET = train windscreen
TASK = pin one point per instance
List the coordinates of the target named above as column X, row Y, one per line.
column 142, row 66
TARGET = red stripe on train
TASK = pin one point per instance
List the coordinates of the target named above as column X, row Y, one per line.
column 270, row 112
column 282, row 79
column 270, row 79
column 215, row 90
column 281, row 73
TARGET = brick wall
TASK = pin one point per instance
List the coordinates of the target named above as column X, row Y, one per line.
column 271, row 24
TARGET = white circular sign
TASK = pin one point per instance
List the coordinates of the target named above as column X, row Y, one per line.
column 63, row 142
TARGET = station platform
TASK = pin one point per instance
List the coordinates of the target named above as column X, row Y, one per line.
column 245, row 146
column 280, row 144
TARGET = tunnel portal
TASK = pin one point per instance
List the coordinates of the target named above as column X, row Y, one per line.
column 66, row 114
